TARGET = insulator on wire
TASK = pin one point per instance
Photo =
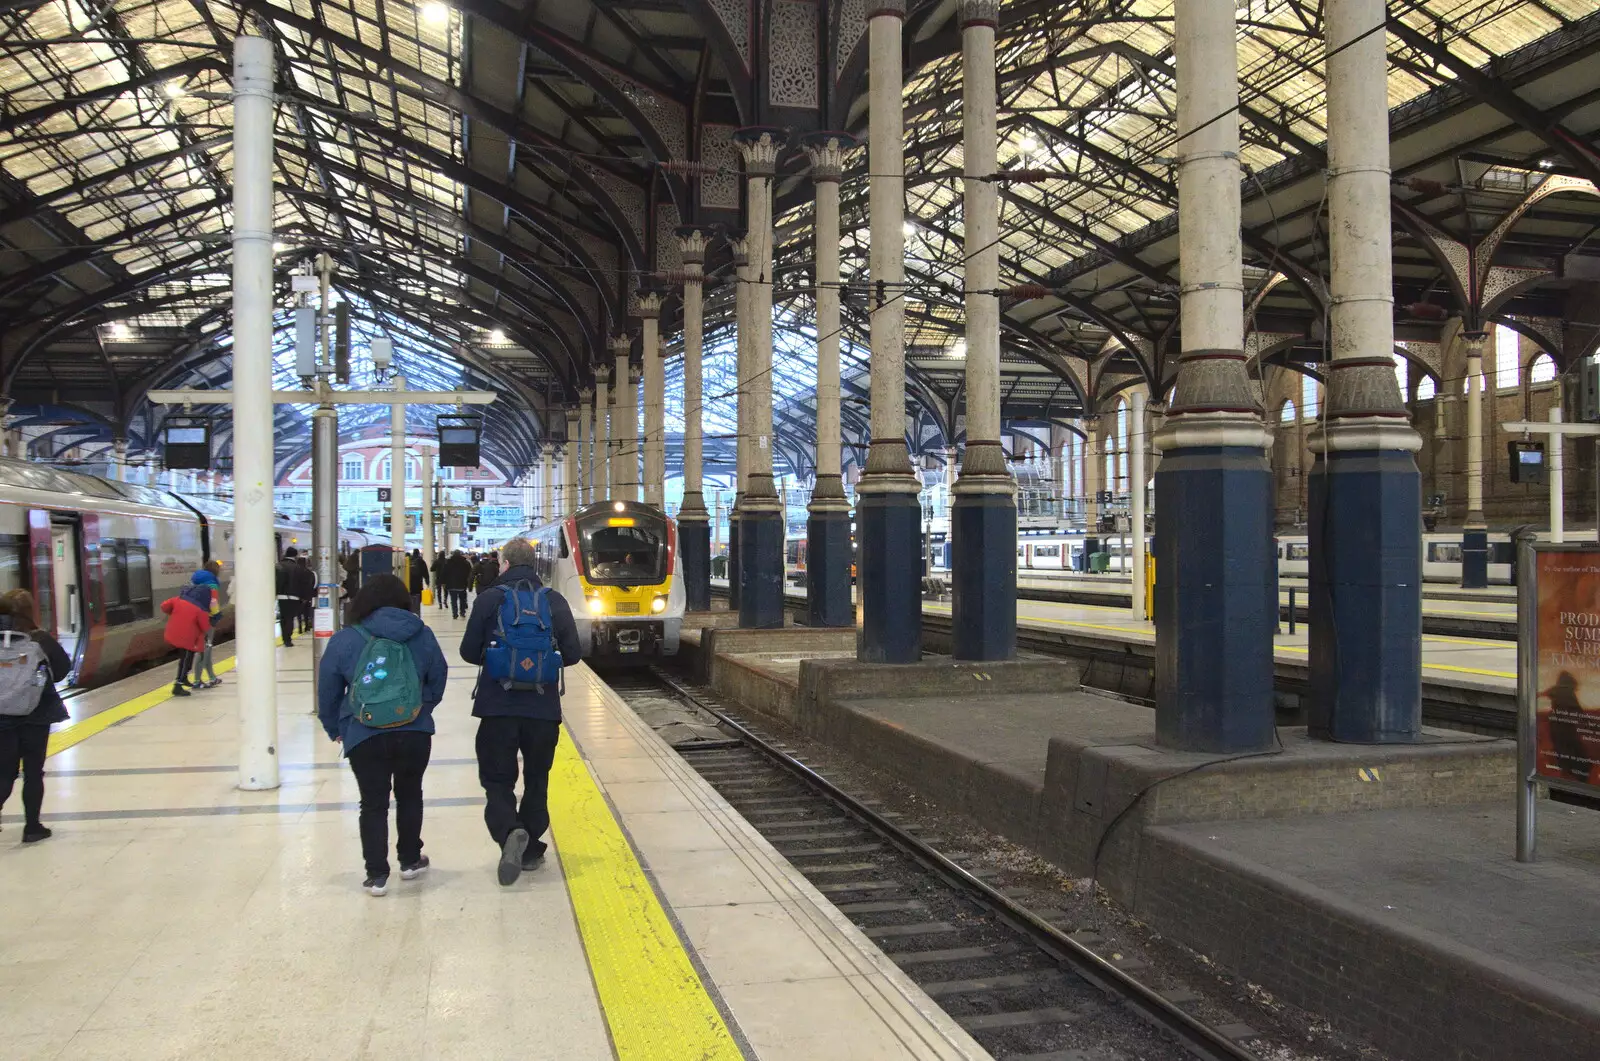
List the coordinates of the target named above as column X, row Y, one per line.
column 689, row 169
column 1427, row 311
column 1026, row 291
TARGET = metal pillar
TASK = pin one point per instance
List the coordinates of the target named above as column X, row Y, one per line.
column 397, row 480
column 632, row 437
column 1216, row 599
column 600, row 451
column 653, row 371
column 619, row 387
column 547, row 485
column 568, row 494
column 1364, row 490
column 1475, row 534
column 761, row 520
column 742, row 328
column 584, row 444
column 828, row 550
column 324, row 536
column 254, row 554
column 694, row 528
column 426, row 460
column 1138, row 479
column 888, row 515
column 1094, row 476
column 1558, row 468
column 983, row 510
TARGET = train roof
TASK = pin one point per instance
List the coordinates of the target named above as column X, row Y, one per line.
column 25, row 475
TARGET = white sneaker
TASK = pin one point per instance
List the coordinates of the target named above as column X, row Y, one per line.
column 376, row 886
column 415, row 870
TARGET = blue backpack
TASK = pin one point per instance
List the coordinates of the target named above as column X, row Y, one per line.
column 523, row 653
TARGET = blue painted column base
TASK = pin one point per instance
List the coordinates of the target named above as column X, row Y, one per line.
column 889, row 577
column 694, row 547
column 760, row 570
column 828, row 569
column 1474, row 559
column 983, row 577
column 1215, row 605
column 733, row 563
column 1366, row 597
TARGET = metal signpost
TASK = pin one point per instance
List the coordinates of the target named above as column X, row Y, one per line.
column 1558, row 677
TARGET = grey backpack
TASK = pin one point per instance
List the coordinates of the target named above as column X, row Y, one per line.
column 23, row 673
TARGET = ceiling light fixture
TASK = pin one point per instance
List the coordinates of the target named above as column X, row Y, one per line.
column 1028, row 144
column 174, row 89
column 910, row 229
column 435, row 14
column 497, row 336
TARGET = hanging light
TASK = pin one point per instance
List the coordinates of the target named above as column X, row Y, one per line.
column 498, row 336
column 435, row 14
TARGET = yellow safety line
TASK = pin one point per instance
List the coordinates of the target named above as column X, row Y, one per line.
column 653, row 1000
column 1425, row 666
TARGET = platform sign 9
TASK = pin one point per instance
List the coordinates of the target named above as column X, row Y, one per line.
column 1558, row 676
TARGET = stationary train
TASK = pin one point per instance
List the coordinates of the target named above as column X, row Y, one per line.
column 101, row 556
column 617, row 565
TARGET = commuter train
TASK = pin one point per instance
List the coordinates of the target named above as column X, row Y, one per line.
column 617, row 565
column 100, row 557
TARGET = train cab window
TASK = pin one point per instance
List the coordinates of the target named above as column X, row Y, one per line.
column 624, row 550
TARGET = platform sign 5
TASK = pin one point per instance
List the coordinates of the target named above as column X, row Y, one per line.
column 1558, row 676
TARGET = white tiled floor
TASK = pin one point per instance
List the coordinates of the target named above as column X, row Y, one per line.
column 222, row 924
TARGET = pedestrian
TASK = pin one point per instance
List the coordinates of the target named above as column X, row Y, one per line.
column 456, row 577
column 488, row 571
column 417, row 576
column 203, row 664
column 515, row 627
column 380, row 680
column 25, row 734
column 305, row 591
column 188, row 619
column 437, row 571
column 288, row 602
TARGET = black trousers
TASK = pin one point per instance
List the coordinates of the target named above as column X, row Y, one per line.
column 382, row 761
column 500, row 739
column 288, row 611
column 458, row 603
column 25, row 744
column 185, row 661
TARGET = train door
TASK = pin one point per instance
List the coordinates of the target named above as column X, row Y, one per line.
column 56, row 541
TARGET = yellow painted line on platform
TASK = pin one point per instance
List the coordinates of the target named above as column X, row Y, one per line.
column 79, row 732
column 1303, row 650
column 654, row 1002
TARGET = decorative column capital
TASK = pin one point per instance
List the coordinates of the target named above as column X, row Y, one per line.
column 739, row 246
column 760, row 144
column 828, row 152
column 890, row 8
column 620, row 345
column 648, row 303
column 1475, row 342
column 585, row 394
column 978, row 13
column 692, row 241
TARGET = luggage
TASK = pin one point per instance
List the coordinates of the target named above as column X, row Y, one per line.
column 23, row 673
column 386, row 692
column 523, row 653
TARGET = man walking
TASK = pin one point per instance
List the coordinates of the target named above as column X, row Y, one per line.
column 288, row 601
column 305, row 591
column 455, row 577
column 517, row 716
column 416, row 579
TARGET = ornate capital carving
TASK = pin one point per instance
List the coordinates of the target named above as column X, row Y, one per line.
column 740, row 248
column 692, row 245
column 760, row 144
column 890, row 8
column 649, row 303
column 828, row 153
column 620, row 345
column 978, row 12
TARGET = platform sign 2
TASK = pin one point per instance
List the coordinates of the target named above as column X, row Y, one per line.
column 1558, row 677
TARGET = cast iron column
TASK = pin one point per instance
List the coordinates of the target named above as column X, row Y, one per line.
column 983, row 510
column 569, row 473
column 694, row 526
column 762, row 515
column 655, row 400
column 741, row 335
column 583, row 445
column 1216, row 599
column 600, row 450
column 1475, row 535
column 888, row 515
column 620, row 427
column 828, row 521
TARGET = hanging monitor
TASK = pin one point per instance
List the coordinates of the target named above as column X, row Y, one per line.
column 186, row 443
column 459, row 436
column 1527, row 462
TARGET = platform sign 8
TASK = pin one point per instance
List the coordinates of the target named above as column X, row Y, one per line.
column 1558, row 677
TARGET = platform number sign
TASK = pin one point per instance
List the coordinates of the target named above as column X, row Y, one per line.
column 1103, row 497
column 385, row 493
column 477, row 495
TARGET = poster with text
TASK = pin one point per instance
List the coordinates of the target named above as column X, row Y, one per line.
column 1568, row 666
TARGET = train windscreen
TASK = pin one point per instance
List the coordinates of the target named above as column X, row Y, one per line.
column 626, row 549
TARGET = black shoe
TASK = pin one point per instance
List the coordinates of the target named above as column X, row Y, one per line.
column 376, row 886
column 34, row 833
column 532, row 862
column 415, row 869
column 511, row 856
column 288, row 644
column 178, row 690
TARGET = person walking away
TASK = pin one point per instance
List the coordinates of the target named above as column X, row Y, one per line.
column 305, row 591
column 380, row 680
column 455, row 578
column 518, row 627
column 188, row 619
column 488, row 571
column 25, row 729
column 203, row 664
column 436, row 570
column 417, row 576
column 288, row 603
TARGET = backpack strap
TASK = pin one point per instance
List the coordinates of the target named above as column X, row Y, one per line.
column 362, row 630
column 541, row 603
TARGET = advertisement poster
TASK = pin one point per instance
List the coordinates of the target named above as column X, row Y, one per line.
column 1567, row 709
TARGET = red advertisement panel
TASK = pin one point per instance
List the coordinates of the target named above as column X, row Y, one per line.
column 1568, row 666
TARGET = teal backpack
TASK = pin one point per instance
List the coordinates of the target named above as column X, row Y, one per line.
column 385, row 691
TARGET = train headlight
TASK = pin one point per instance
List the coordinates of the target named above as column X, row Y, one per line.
column 596, row 606
column 658, row 605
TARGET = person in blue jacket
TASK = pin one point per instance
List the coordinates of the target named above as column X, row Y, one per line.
column 381, row 758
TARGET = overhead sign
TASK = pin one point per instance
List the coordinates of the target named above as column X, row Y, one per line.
column 1558, row 676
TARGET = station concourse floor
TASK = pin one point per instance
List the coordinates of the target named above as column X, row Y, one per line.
column 174, row 916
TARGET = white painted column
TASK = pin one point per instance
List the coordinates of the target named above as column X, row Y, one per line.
column 1558, row 500
column 600, row 450
column 1474, row 469
column 1137, row 434
column 397, row 479
column 427, row 507
column 653, row 370
column 568, row 495
column 623, row 425
column 760, row 149
column 255, row 556
column 827, row 152
column 584, row 443
column 692, row 245
column 742, row 328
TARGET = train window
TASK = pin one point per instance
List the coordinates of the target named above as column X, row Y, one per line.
column 13, row 562
column 114, row 582
column 1502, row 553
column 623, row 550
column 1299, row 551
column 1444, row 552
column 136, row 564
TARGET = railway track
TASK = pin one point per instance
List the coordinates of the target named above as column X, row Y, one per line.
column 1024, row 988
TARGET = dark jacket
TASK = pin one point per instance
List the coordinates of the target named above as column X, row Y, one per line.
column 50, row 710
column 488, row 698
column 416, row 575
column 283, row 577
column 486, row 573
column 457, row 572
column 303, row 582
column 339, row 666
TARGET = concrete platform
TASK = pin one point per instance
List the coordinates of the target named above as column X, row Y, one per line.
column 1284, row 867
column 173, row 916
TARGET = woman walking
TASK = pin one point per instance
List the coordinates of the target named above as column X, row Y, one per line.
column 207, row 577
column 381, row 677
column 188, row 622
column 25, row 739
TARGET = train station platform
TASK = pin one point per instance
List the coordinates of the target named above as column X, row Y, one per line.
column 174, row 916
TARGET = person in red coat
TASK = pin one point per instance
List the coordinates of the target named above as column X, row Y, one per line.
column 187, row 623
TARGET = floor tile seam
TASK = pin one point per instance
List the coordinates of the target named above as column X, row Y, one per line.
column 933, row 1029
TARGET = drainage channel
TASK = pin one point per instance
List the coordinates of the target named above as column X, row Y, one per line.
column 1026, row 990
